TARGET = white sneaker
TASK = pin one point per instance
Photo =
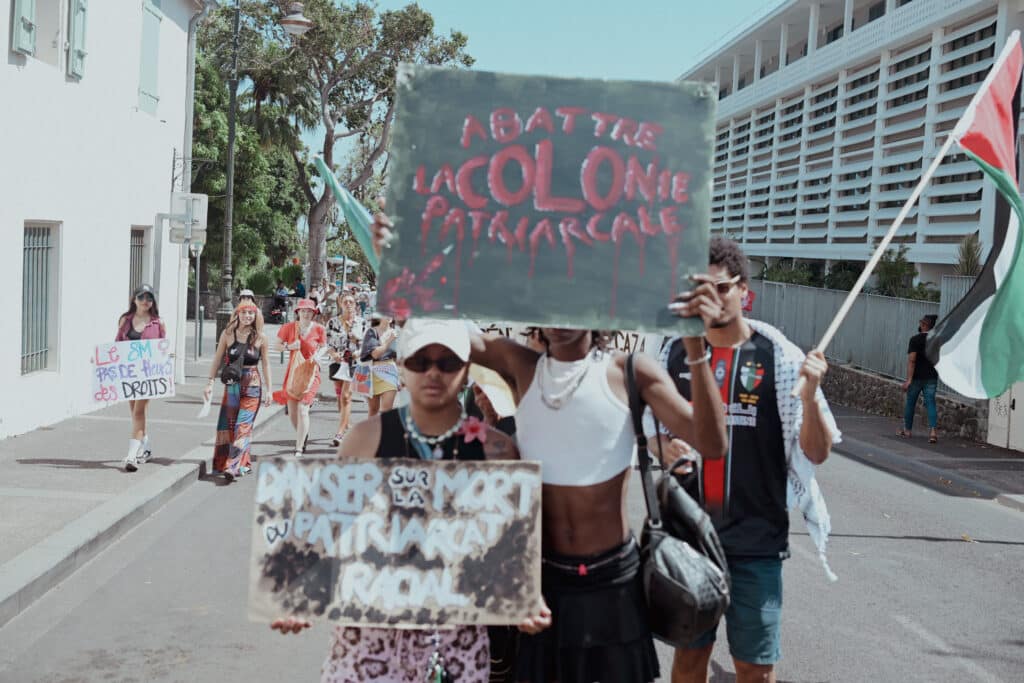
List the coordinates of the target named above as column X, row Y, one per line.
column 145, row 455
column 131, row 461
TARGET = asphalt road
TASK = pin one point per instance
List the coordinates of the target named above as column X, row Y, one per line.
column 931, row 588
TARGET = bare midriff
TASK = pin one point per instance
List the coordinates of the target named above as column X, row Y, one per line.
column 585, row 520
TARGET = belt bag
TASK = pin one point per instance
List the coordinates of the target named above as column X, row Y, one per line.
column 232, row 372
column 684, row 570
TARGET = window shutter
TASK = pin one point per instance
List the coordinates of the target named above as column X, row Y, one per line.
column 24, row 38
column 76, row 49
column 150, row 59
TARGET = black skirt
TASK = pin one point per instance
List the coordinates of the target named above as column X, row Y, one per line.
column 599, row 629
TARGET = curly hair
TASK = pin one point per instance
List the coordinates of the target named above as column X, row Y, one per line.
column 727, row 254
column 599, row 339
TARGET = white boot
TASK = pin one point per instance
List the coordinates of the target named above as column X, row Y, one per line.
column 131, row 461
column 144, row 453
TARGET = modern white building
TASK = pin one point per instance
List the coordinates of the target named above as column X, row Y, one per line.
column 829, row 112
column 94, row 115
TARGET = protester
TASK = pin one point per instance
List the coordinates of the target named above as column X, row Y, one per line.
column 435, row 358
column 774, row 439
column 300, row 288
column 573, row 418
column 242, row 399
column 922, row 378
column 344, row 338
column 247, row 295
column 141, row 321
column 303, row 338
column 329, row 305
column 380, row 350
column 363, row 301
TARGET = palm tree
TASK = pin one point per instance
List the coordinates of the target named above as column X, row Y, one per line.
column 968, row 261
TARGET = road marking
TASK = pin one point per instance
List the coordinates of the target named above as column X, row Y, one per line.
column 977, row 673
column 54, row 493
column 149, row 420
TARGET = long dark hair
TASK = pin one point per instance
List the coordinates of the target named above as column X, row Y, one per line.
column 154, row 311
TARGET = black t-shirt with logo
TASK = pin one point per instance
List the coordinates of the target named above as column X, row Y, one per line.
column 744, row 492
column 923, row 368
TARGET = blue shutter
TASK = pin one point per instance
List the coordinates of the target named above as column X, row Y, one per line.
column 149, row 67
column 76, row 42
column 24, row 29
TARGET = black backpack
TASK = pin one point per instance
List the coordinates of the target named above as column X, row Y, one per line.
column 685, row 573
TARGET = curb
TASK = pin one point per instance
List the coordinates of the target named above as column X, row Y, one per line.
column 31, row 574
column 934, row 478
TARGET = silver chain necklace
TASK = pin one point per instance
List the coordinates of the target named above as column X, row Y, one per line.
column 557, row 400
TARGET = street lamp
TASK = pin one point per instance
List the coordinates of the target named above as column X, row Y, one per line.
column 295, row 24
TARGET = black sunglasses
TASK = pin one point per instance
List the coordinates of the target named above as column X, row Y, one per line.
column 446, row 364
column 145, row 297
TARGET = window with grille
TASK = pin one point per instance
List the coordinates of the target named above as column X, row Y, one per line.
column 38, row 298
column 137, row 257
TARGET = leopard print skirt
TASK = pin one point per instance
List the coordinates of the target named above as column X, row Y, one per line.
column 376, row 655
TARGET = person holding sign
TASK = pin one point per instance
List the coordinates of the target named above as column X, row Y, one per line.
column 573, row 417
column 344, row 335
column 434, row 426
column 141, row 321
column 242, row 397
column 380, row 350
column 303, row 338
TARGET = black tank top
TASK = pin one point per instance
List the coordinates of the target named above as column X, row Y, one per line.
column 393, row 443
column 133, row 334
column 252, row 354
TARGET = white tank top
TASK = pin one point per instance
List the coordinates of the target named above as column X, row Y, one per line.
column 589, row 439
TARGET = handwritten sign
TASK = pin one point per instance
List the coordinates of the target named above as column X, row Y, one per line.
column 626, row 342
column 566, row 203
column 396, row 542
column 132, row 370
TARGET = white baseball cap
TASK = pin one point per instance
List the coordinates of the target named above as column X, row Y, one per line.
column 418, row 334
column 248, row 293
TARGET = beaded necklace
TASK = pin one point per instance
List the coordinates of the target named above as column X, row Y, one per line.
column 429, row 447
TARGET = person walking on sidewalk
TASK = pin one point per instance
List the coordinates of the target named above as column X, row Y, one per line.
column 344, row 336
column 774, row 440
column 243, row 337
column 922, row 379
column 141, row 321
column 303, row 338
column 380, row 350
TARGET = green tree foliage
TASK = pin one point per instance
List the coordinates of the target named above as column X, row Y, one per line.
column 268, row 200
column 843, row 275
column 790, row 272
column 895, row 274
column 968, row 260
column 338, row 79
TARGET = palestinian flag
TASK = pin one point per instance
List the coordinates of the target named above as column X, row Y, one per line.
column 978, row 349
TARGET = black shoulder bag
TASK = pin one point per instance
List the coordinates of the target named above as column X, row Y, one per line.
column 685, row 574
column 231, row 373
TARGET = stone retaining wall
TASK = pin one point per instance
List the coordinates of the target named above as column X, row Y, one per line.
column 847, row 386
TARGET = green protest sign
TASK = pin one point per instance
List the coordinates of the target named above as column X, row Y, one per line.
column 560, row 202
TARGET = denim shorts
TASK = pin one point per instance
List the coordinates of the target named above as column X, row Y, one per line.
column 753, row 620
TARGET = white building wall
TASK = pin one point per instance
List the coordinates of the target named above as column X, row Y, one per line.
column 814, row 159
column 80, row 154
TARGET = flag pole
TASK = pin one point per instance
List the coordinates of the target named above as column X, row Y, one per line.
column 826, row 338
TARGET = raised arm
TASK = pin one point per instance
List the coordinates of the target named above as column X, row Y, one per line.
column 511, row 360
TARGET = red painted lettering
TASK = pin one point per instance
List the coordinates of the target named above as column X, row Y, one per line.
column 569, row 115
column 436, row 206
column 664, row 183
column 594, row 232
column 591, row 164
column 542, row 199
column 464, row 183
column 569, row 227
column 496, row 179
column 624, row 130
column 601, row 122
column 624, row 223
column 542, row 229
column 419, row 184
column 680, row 187
column 540, row 119
column 637, row 178
column 669, row 216
column 457, row 218
column 647, row 135
column 647, row 226
column 505, row 125
column 444, row 177
column 470, row 127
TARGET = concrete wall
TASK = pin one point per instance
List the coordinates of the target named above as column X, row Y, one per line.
column 80, row 154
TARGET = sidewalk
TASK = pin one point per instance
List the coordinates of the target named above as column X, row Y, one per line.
column 956, row 467
column 64, row 496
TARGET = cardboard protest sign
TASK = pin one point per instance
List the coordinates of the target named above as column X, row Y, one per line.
column 626, row 342
column 396, row 542
column 566, row 203
column 131, row 370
